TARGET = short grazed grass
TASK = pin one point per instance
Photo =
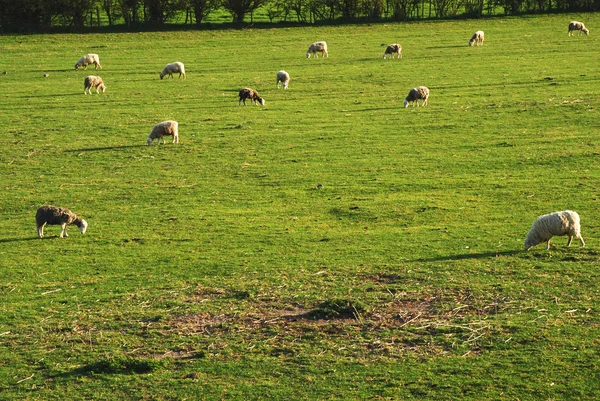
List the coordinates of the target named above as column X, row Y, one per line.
column 330, row 245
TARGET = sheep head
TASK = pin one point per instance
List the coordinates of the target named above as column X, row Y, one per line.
column 586, row 31
column 83, row 226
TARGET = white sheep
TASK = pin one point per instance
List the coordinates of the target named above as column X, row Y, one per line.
column 422, row 92
column 393, row 49
column 549, row 225
column 166, row 128
column 317, row 47
column 57, row 215
column 88, row 59
column 172, row 68
column 284, row 78
column 477, row 38
column 92, row 81
column 248, row 93
column 578, row 26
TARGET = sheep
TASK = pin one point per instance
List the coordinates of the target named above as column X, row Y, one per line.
column 392, row 49
column 422, row 92
column 57, row 215
column 165, row 128
column 284, row 78
column 317, row 47
column 578, row 26
column 251, row 94
column 88, row 59
column 92, row 81
column 549, row 225
column 172, row 68
column 477, row 38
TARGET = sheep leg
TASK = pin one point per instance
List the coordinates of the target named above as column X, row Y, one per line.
column 581, row 240
column 569, row 241
column 548, row 245
column 63, row 232
column 40, row 230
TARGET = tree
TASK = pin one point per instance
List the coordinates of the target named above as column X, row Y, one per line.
column 112, row 10
column 202, row 8
column 239, row 8
column 158, row 11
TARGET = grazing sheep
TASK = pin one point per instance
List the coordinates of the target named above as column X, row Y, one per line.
column 284, row 78
column 393, row 49
column 477, row 38
column 88, row 59
column 58, row 215
column 578, row 26
column 172, row 68
column 165, row 128
column 92, row 81
column 317, row 47
column 251, row 94
column 549, row 225
column 422, row 92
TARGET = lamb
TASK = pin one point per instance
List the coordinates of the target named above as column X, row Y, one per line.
column 477, row 38
column 88, row 59
column 92, row 81
column 284, row 78
column 172, row 68
column 165, row 128
column 422, row 92
column 57, row 215
column 248, row 93
column 392, row 49
column 578, row 26
column 317, row 47
column 549, row 225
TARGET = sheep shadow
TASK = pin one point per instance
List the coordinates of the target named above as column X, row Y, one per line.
column 467, row 256
column 51, row 95
column 7, row 240
column 106, row 148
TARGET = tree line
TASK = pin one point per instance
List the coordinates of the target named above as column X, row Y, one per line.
column 41, row 15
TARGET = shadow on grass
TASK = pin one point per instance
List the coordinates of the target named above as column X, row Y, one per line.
column 465, row 256
column 106, row 148
column 115, row 366
column 6, row 240
column 51, row 95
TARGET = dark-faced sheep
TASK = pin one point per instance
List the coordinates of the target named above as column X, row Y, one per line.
column 284, row 78
column 88, row 59
column 57, row 215
column 166, row 128
column 173, row 68
column 549, row 225
column 393, row 49
column 317, row 47
column 578, row 26
column 92, row 81
column 422, row 92
column 477, row 38
column 248, row 93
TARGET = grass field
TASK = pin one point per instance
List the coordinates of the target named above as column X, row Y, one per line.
column 331, row 245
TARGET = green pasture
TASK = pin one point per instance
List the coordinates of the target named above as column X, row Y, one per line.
column 331, row 245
